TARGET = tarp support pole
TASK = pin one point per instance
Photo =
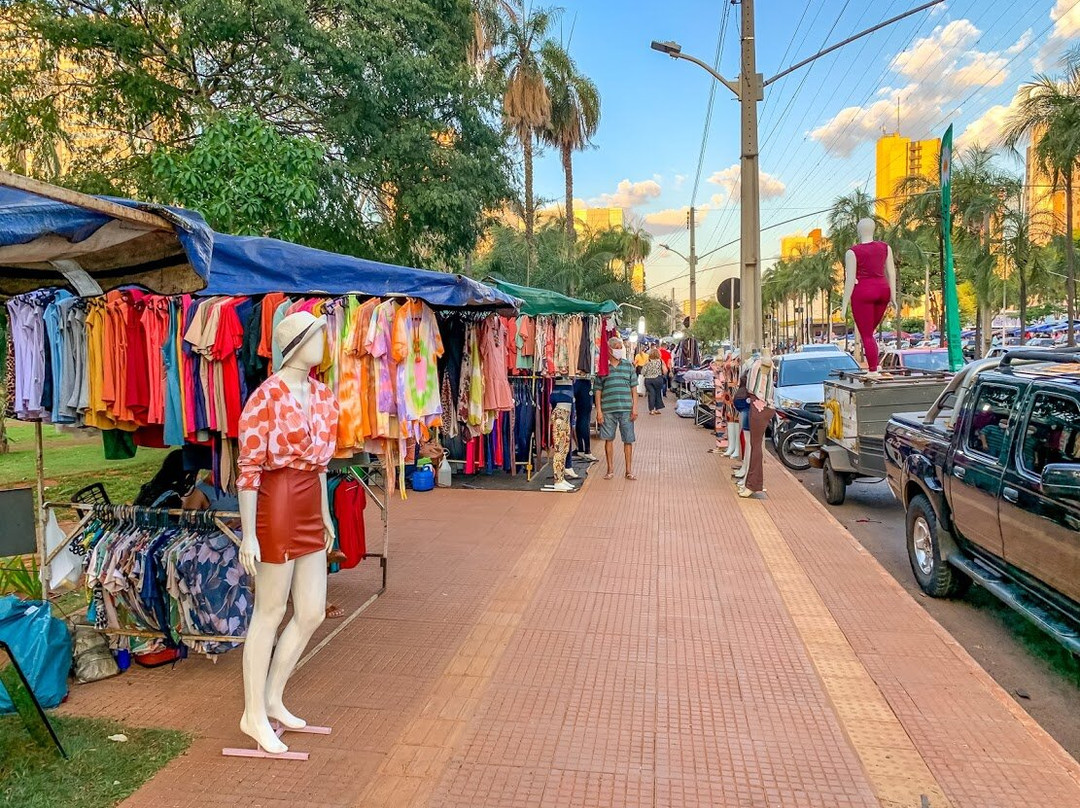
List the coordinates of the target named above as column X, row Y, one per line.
column 42, row 511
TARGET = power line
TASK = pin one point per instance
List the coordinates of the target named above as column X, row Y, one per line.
column 712, row 100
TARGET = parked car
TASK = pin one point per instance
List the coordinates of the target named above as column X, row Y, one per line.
column 1040, row 342
column 990, row 480
column 916, row 359
column 799, row 377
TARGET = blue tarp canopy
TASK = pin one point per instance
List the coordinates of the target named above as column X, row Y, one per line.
column 116, row 241
column 248, row 265
column 121, row 242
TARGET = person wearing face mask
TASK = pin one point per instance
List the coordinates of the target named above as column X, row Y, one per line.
column 616, row 407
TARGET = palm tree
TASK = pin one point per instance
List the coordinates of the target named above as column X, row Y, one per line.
column 636, row 246
column 526, row 103
column 1049, row 114
column 575, row 115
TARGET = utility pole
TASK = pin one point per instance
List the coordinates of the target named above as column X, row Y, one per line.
column 693, row 269
column 674, row 312
column 749, row 88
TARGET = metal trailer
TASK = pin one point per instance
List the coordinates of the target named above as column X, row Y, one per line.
column 858, row 406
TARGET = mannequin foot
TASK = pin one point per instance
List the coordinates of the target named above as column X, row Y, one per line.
column 277, row 712
column 571, row 474
column 263, row 734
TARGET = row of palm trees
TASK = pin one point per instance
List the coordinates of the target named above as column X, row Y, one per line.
column 546, row 98
column 1003, row 248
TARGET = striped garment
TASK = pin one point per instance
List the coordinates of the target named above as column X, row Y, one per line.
column 617, row 388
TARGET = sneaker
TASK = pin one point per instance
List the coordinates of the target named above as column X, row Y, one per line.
column 589, row 457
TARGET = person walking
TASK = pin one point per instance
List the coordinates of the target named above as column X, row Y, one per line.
column 653, row 373
column 616, row 407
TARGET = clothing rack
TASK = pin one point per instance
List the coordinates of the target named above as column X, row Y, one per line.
column 216, row 518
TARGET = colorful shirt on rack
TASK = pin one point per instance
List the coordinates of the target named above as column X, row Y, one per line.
column 416, row 348
column 276, row 433
column 497, row 394
column 380, row 345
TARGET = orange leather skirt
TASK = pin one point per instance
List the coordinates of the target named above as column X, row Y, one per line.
column 288, row 515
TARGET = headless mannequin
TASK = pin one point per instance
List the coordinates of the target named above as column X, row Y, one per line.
column 743, row 430
column 560, row 434
column 870, row 294
column 760, row 388
column 266, row 669
column 734, row 444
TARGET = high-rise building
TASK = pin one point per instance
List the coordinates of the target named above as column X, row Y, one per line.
column 797, row 244
column 899, row 157
column 1046, row 202
column 701, row 304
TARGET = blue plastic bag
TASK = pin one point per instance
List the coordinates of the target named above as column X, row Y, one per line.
column 41, row 644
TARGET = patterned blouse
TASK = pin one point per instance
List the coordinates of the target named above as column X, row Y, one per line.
column 275, row 433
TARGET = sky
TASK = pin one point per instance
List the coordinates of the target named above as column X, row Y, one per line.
column 961, row 63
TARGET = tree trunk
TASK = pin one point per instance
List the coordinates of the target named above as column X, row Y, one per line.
column 1070, row 256
column 530, row 246
column 568, row 172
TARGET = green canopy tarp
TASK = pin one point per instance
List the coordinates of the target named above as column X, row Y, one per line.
column 544, row 301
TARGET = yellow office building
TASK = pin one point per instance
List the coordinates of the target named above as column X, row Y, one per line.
column 1045, row 202
column 797, row 244
column 899, row 157
column 702, row 302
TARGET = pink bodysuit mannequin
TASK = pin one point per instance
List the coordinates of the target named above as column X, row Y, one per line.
column 869, row 286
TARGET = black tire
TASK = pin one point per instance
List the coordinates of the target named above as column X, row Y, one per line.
column 779, row 428
column 834, row 484
column 932, row 572
column 794, row 458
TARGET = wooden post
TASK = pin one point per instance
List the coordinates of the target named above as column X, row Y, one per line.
column 42, row 512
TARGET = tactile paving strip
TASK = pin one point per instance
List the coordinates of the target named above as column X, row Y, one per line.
column 896, row 771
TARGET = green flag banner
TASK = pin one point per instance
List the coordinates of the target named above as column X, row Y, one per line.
column 952, row 300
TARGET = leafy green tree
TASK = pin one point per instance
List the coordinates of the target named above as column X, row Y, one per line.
column 243, row 176
column 408, row 127
column 713, row 324
column 1049, row 115
column 575, row 115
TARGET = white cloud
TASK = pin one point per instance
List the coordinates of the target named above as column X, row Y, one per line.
column 671, row 220
column 628, row 194
column 930, row 54
column 679, row 180
column 1066, row 17
column 986, row 129
column 769, row 186
column 939, row 70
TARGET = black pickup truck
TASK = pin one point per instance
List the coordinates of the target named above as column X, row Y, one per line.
column 990, row 480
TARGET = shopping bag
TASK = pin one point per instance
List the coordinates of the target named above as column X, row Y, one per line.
column 41, row 644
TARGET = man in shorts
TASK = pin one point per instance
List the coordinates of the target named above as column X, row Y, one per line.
column 616, row 407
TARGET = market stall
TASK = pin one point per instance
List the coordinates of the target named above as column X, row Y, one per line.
column 553, row 346
column 174, row 369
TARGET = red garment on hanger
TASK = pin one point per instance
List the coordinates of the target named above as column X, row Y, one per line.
column 349, row 504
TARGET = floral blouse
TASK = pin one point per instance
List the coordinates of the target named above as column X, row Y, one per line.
column 275, row 433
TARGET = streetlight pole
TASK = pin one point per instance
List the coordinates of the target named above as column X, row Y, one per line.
column 749, row 89
column 692, row 260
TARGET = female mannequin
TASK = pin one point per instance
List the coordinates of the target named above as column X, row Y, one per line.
column 760, row 387
column 287, row 436
column 869, row 285
column 743, row 432
column 731, row 382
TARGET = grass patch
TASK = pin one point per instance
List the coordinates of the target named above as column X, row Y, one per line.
column 74, row 460
column 98, row 773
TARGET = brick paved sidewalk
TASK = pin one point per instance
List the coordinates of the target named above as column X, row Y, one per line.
column 658, row 643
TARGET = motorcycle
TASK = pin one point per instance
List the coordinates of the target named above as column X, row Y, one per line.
column 799, row 439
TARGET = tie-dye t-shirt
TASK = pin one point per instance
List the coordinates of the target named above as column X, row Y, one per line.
column 417, row 346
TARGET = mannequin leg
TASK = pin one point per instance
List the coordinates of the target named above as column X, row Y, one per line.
column 560, row 436
column 868, row 305
column 309, row 610
column 272, row 595
column 747, row 454
column 733, row 440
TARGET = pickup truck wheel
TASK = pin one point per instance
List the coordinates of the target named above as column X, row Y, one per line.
column 834, row 484
column 933, row 573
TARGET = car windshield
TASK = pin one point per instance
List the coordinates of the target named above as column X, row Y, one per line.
column 937, row 360
column 813, row 370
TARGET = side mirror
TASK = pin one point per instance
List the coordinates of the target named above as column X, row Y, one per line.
column 1062, row 480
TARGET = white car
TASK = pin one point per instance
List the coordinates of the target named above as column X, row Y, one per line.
column 800, row 377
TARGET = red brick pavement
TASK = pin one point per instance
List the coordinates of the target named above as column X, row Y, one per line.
column 657, row 643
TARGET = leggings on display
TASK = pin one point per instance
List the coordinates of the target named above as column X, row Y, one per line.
column 869, row 300
column 583, row 403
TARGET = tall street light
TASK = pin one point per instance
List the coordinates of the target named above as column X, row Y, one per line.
column 749, row 88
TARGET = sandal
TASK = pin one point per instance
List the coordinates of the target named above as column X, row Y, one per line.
column 334, row 612
column 610, row 475
column 630, row 476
